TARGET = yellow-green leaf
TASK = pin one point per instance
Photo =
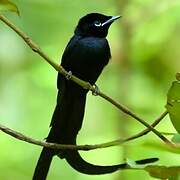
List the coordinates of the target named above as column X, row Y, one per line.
column 163, row 172
column 176, row 138
column 6, row 5
column 178, row 76
column 173, row 104
column 162, row 147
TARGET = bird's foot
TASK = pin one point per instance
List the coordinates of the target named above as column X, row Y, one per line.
column 69, row 75
column 97, row 90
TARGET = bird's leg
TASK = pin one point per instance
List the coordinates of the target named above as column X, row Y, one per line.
column 97, row 90
column 69, row 75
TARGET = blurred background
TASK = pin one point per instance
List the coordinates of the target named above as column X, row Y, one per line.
column 145, row 58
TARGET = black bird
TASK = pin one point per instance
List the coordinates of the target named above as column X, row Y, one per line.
column 85, row 56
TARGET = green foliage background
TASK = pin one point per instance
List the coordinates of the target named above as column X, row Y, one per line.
column 145, row 57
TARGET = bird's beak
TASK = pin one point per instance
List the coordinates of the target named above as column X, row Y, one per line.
column 111, row 20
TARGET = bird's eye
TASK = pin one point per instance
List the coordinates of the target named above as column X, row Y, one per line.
column 97, row 23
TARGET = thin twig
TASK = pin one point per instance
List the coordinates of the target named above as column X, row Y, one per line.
column 25, row 138
column 82, row 83
column 133, row 137
column 119, row 141
column 130, row 113
column 146, row 131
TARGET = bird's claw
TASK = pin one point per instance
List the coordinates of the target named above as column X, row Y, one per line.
column 97, row 90
column 69, row 75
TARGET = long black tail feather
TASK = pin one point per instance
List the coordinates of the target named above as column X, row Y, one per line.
column 43, row 164
column 78, row 163
column 66, row 123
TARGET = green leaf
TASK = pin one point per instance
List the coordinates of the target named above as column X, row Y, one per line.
column 173, row 104
column 163, row 172
column 176, row 138
column 162, row 147
column 6, row 5
column 178, row 76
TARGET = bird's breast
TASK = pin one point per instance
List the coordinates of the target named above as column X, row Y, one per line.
column 86, row 57
column 94, row 54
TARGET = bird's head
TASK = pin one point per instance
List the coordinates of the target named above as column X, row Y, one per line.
column 95, row 25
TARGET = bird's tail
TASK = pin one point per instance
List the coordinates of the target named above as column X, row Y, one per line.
column 78, row 163
column 64, row 129
column 43, row 164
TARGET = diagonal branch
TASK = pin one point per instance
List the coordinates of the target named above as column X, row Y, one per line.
column 80, row 82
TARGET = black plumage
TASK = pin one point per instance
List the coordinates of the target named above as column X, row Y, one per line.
column 86, row 54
